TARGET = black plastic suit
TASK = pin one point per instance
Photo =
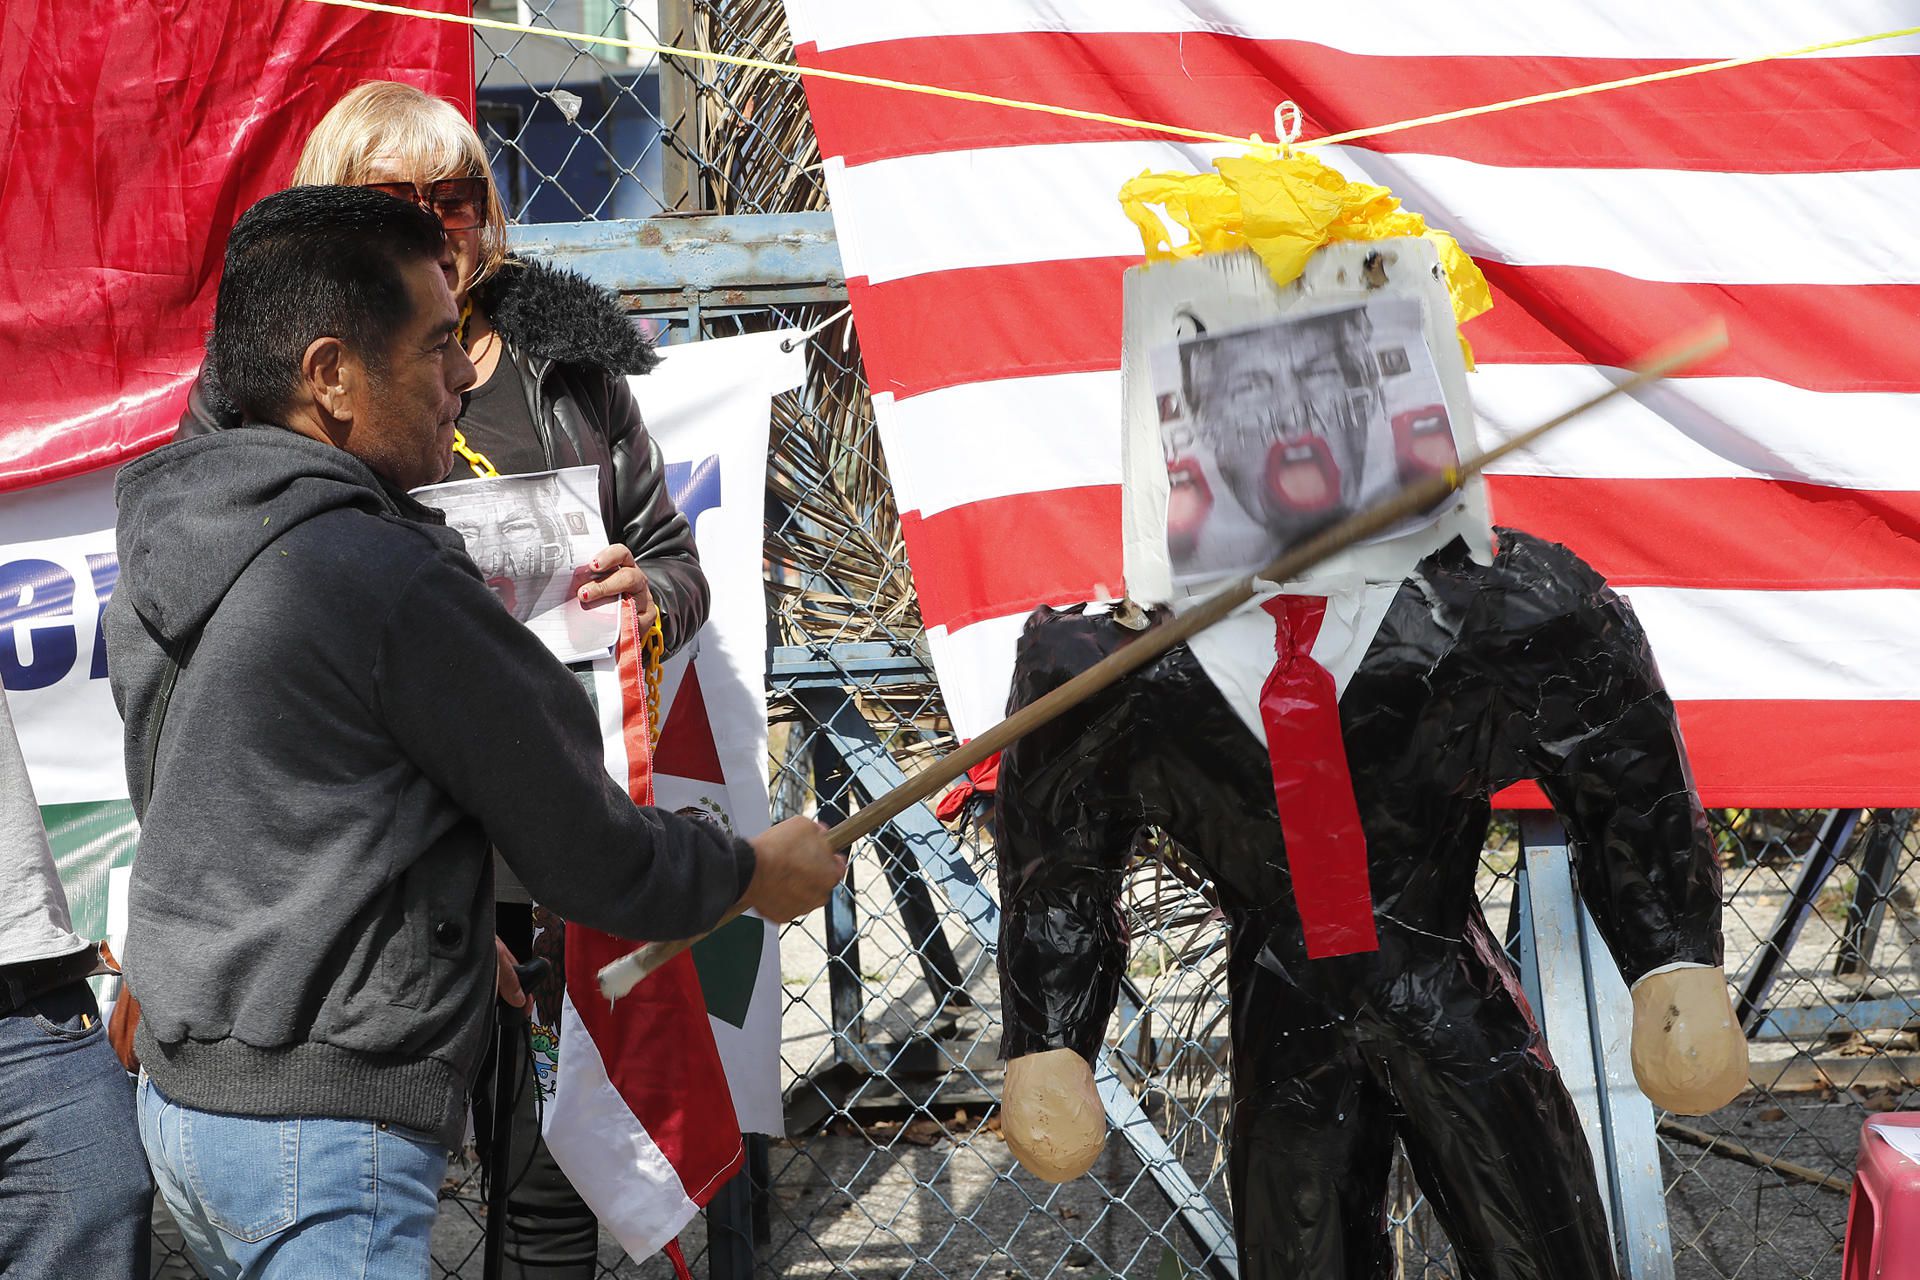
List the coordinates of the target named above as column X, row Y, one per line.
column 1478, row 677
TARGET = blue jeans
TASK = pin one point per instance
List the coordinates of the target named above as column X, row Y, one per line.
column 74, row 1191
column 296, row 1196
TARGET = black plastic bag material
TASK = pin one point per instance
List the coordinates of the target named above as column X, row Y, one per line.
column 1479, row 675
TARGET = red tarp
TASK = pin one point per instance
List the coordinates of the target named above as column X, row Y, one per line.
column 132, row 136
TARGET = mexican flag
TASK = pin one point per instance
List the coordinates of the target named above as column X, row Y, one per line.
column 650, row 1095
column 708, row 407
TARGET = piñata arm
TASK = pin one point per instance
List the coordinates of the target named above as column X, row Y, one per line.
column 1065, row 820
column 1594, row 720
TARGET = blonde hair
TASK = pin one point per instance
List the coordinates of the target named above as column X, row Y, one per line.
column 428, row 136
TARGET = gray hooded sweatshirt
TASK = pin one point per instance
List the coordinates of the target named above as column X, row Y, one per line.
column 311, row 918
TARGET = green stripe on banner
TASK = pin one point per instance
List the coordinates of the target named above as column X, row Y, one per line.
column 89, row 840
column 728, row 962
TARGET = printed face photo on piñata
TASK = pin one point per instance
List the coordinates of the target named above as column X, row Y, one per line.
column 1273, row 431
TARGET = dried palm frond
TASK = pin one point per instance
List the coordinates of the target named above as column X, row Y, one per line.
column 836, row 562
column 837, row 567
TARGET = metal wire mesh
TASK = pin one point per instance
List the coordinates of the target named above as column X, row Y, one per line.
column 574, row 129
column 1832, row 1041
column 893, row 1164
column 581, row 131
column 858, row 1192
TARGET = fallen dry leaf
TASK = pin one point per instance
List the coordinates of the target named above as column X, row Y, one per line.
column 923, row 1132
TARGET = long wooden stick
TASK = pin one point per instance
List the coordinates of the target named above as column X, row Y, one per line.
column 1416, row 499
column 1758, row 1159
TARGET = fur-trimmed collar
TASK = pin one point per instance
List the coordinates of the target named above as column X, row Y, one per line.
column 551, row 313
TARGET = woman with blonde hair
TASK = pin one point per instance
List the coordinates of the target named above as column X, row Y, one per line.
column 551, row 353
column 550, row 349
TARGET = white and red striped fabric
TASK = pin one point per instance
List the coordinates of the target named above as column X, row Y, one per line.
column 1760, row 512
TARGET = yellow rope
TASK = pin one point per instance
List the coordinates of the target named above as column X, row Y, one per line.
column 1700, row 68
column 1100, row 117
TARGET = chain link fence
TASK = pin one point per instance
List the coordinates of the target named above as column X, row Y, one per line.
column 893, row 1164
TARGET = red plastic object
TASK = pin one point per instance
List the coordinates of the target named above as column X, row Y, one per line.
column 1423, row 443
column 1883, row 1221
column 1189, row 503
column 1313, row 787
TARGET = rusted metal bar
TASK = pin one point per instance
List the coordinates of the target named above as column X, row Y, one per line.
column 718, row 261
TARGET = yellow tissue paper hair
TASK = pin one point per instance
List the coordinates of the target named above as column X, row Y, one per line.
column 1283, row 207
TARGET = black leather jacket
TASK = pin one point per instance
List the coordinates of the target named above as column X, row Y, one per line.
column 573, row 347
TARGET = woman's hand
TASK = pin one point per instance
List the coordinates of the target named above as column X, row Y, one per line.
column 612, row 572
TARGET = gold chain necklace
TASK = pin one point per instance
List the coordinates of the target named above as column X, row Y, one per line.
column 481, row 464
column 653, row 646
column 653, row 657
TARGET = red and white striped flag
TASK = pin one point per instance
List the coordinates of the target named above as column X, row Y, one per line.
column 1760, row 512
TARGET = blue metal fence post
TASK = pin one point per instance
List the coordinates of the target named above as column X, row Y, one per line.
column 1820, row 864
column 915, row 905
column 847, row 992
column 1879, row 862
column 1587, row 1017
column 730, row 1235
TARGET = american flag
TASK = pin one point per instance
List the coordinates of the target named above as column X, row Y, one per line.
column 1761, row 512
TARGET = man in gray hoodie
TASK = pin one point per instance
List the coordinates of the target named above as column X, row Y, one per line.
column 329, row 720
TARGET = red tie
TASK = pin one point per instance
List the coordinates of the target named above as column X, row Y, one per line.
column 1326, row 849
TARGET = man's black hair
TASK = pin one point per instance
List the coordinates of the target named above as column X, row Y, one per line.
column 306, row 263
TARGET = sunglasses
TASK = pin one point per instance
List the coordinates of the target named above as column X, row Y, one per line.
column 459, row 203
